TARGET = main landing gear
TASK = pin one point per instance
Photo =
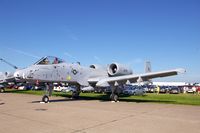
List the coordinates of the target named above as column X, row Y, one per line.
column 115, row 94
column 2, row 90
column 76, row 93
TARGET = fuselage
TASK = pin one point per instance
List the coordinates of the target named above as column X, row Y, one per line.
column 62, row 72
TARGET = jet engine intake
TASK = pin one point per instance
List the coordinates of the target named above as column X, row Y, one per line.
column 116, row 69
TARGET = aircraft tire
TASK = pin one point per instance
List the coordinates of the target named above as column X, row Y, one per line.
column 75, row 95
column 2, row 90
column 111, row 97
column 115, row 98
column 45, row 99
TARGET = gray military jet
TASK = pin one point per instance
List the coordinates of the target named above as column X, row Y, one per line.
column 51, row 69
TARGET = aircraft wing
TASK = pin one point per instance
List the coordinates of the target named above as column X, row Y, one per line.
column 105, row 82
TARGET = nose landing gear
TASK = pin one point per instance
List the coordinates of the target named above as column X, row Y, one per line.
column 48, row 92
column 45, row 99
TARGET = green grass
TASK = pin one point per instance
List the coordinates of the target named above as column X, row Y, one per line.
column 185, row 99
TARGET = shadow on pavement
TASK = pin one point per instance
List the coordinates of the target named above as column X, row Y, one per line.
column 99, row 97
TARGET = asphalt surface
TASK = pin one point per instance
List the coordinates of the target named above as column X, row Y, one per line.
column 25, row 114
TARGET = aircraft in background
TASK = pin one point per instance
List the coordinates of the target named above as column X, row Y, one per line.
column 7, row 76
column 51, row 70
column 2, row 77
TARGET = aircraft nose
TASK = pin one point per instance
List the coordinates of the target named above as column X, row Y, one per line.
column 16, row 74
column 19, row 75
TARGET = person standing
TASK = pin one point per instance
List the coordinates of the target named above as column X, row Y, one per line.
column 157, row 89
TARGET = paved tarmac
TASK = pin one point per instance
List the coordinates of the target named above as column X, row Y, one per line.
column 21, row 113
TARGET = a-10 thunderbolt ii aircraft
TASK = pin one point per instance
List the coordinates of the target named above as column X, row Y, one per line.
column 51, row 69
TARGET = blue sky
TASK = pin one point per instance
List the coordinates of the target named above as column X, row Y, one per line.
column 166, row 32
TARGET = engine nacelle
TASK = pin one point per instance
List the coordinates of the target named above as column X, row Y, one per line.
column 116, row 69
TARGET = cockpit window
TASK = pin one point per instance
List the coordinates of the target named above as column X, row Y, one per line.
column 49, row 60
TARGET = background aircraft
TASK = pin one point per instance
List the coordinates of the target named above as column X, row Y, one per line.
column 51, row 69
column 7, row 76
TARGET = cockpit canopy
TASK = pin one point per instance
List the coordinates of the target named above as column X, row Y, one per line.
column 48, row 60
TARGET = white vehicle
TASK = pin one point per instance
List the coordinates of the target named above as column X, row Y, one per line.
column 64, row 89
column 69, row 89
column 87, row 89
column 60, row 88
column 57, row 88
column 21, row 88
column 191, row 89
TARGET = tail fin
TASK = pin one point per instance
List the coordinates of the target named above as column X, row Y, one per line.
column 147, row 67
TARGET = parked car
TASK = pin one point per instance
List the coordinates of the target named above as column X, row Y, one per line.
column 64, row 88
column 191, row 89
column 29, row 87
column 181, row 89
column 2, row 89
column 146, row 88
column 69, row 89
column 128, row 89
column 151, row 88
column 107, row 90
column 57, row 88
column 164, row 89
column 174, row 90
column 98, row 90
column 87, row 89
column 39, row 87
column 11, row 85
column 134, row 90
column 198, row 89
column 21, row 88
